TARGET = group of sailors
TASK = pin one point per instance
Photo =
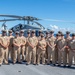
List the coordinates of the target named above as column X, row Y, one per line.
column 38, row 50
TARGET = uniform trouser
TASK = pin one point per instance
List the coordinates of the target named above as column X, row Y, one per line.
column 11, row 53
column 67, row 55
column 23, row 53
column 1, row 56
column 46, row 53
column 61, row 56
column 41, row 54
column 56, row 55
column 16, row 56
column 32, row 55
column 71, row 55
column 5, row 55
column 51, row 52
column 26, row 52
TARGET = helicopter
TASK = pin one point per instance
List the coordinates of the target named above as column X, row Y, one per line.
column 30, row 23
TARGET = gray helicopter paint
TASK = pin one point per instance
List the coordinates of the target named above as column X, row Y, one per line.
column 17, row 28
column 26, row 28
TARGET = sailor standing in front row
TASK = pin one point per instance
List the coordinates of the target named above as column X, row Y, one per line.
column 17, row 48
column 72, row 50
column 28, row 36
column 46, row 38
column 4, row 46
column 41, row 50
column 23, row 42
column 32, row 41
column 68, row 38
column 11, row 37
column 51, row 48
column 58, row 37
column 1, row 52
column 61, row 51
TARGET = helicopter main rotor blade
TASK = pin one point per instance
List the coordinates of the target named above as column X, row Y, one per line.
column 13, row 16
column 20, row 17
column 54, row 20
column 8, row 20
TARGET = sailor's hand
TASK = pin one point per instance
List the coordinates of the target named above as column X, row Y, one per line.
column 62, row 49
column 67, row 47
column 40, row 47
column 52, row 47
column 32, row 46
column 22, row 45
column 18, row 45
column 59, row 49
column 5, row 46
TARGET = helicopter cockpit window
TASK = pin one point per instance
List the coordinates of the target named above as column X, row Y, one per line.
column 21, row 26
column 14, row 29
column 17, row 28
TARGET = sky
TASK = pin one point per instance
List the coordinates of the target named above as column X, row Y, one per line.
column 43, row 9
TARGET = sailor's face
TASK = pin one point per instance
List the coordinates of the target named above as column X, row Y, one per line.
column 73, row 37
column 40, row 33
column 62, row 37
column 10, row 33
column 42, row 37
column 47, row 34
column 4, row 33
column 33, row 33
column 67, row 34
column 28, row 34
column 57, row 37
column 17, row 34
column 51, row 34
column 21, row 33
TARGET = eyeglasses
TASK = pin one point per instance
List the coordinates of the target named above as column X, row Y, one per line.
column 28, row 33
column 17, row 34
column 21, row 32
column 10, row 32
column 42, row 36
column 33, row 32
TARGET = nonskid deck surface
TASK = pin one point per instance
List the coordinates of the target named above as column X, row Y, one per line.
column 22, row 69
